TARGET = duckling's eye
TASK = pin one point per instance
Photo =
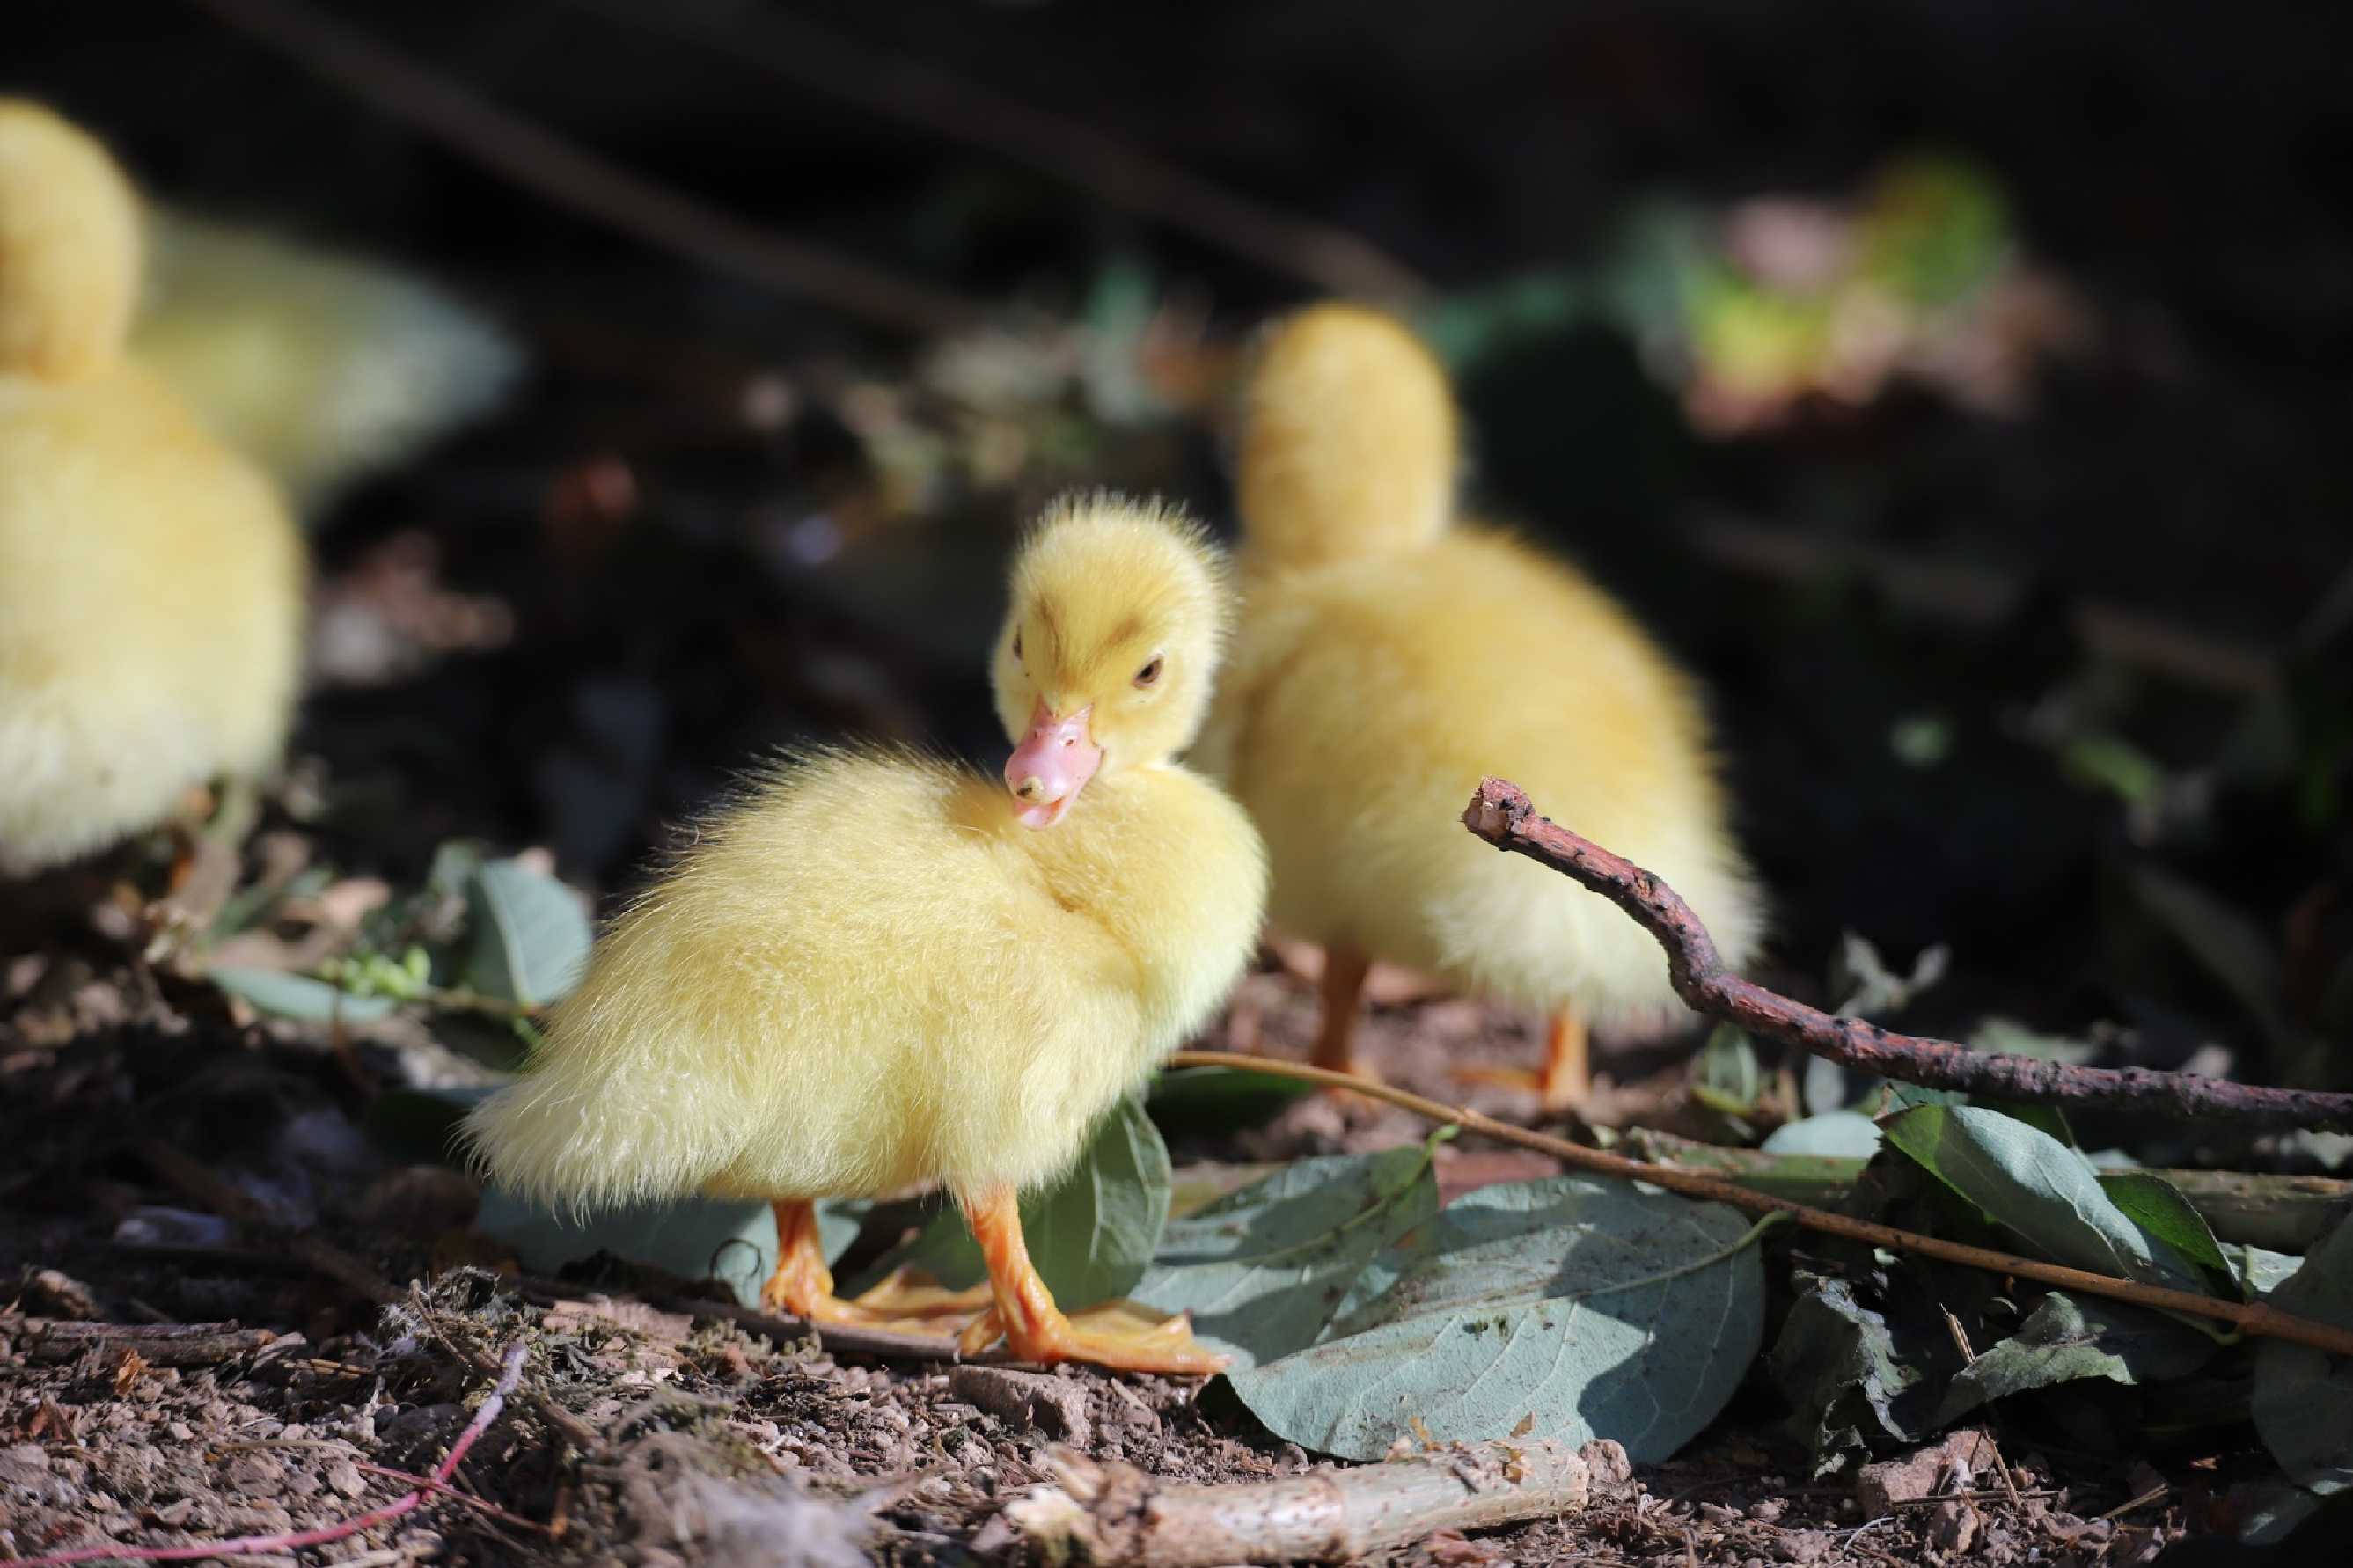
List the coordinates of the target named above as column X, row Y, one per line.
column 1017, row 644
column 1150, row 672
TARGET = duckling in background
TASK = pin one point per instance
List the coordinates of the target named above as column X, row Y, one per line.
column 1388, row 659
column 323, row 368
column 874, row 969
column 150, row 580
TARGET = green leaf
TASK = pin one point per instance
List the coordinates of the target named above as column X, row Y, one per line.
column 1265, row 1271
column 2158, row 1206
column 1091, row 1234
column 1727, row 1078
column 1220, row 1098
column 1840, row 1134
column 2304, row 1398
column 1838, row 1365
column 297, row 995
column 1871, row 989
column 2046, row 1192
column 731, row 1241
column 531, row 935
column 2046, row 1119
column 2260, row 1270
column 1570, row 1308
column 2064, row 1339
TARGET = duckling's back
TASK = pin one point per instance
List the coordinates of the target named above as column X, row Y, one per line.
column 1387, row 690
column 150, row 612
column 1382, row 671
column 859, row 977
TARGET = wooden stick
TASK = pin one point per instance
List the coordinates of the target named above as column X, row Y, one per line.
column 1110, row 1512
column 569, row 176
column 2247, row 1317
column 51, row 1340
column 2286, row 1214
column 1500, row 813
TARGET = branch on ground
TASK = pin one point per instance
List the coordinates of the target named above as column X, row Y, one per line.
column 1110, row 1512
column 2247, row 1317
column 1502, row 813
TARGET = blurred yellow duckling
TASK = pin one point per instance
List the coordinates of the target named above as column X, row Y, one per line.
column 323, row 368
column 151, row 581
column 1388, row 658
column 874, row 969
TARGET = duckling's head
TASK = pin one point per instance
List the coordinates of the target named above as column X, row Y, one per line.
column 1349, row 448
column 70, row 246
column 1108, row 649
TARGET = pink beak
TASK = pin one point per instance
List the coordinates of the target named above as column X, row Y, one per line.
column 1051, row 765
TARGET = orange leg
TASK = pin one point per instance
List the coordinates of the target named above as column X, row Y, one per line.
column 802, row 1286
column 1565, row 1078
column 1344, row 990
column 1567, row 1074
column 1118, row 1335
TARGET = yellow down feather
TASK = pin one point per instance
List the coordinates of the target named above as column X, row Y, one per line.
column 1380, row 670
column 151, row 581
column 863, row 973
column 323, row 368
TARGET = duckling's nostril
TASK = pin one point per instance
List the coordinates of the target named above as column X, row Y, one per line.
column 1031, row 788
column 1070, row 740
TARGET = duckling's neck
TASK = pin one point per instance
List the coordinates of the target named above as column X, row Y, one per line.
column 1162, row 861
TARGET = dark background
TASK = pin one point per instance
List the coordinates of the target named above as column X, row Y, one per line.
column 2186, row 170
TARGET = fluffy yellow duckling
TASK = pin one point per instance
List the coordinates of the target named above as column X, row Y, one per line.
column 323, row 368
column 1388, row 659
column 874, row 969
column 151, row 581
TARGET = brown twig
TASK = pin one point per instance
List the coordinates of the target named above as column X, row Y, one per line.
column 2143, row 1500
column 918, row 93
column 2248, row 1316
column 1500, row 813
column 509, row 1374
column 2284, row 1213
column 1110, row 1512
column 569, row 176
column 50, row 1339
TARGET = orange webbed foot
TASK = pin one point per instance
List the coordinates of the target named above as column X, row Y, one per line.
column 1122, row 1335
column 907, row 1301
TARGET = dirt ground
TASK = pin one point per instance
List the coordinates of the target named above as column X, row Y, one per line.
column 716, row 521
column 706, row 1439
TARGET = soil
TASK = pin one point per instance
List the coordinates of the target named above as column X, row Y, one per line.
column 710, row 1441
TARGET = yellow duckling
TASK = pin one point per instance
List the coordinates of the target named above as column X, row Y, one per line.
column 1388, row 659
column 875, row 970
column 151, row 581
column 323, row 368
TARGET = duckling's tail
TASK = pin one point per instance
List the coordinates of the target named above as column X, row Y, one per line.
column 581, row 1132
column 1348, row 448
column 321, row 368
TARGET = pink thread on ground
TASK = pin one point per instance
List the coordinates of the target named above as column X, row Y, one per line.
column 509, row 1374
